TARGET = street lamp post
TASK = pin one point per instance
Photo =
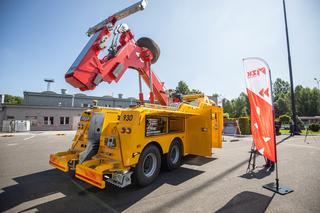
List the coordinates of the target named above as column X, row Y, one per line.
column 293, row 104
column 317, row 80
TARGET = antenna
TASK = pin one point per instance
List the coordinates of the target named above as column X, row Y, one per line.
column 49, row 81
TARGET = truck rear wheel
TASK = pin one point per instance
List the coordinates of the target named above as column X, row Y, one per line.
column 148, row 166
column 151, row 45
column 174, row 156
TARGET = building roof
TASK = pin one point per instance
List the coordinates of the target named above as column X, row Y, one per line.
column 38, row 107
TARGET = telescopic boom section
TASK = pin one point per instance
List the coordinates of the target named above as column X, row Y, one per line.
column 89, row 70
column 118, row 16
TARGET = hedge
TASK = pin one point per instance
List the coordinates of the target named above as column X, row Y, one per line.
column 314, row 127
column 226, row 115
column 244, row 124
column 284, row 119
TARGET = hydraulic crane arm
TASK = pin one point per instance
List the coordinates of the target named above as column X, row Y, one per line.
column 89, row 70
column 118, row 16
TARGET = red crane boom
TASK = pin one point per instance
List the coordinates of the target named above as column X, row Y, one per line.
column 88, row 70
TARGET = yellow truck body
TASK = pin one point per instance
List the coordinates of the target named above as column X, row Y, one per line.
column 67, row 160
column 130, row 144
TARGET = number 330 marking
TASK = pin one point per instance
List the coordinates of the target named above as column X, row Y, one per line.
column 127, row 117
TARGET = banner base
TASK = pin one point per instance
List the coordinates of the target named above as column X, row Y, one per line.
column 283, row 190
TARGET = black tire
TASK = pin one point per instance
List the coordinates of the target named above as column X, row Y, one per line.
column 151, row 45
column 173, row 158
column 148, row 166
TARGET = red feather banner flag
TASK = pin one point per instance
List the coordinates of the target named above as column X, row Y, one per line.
column 259, row 89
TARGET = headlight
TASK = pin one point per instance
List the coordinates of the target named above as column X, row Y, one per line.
column 111, row 142
column 128, row 130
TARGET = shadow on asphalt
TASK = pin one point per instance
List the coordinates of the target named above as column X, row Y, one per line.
column 262, row 173
column 284, row 139
column 82, row 197
column 197, row 160
column 247, row 202
column 199, row 188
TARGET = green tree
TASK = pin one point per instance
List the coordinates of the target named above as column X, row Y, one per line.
column 281, row 93
column 280, row 88
column 245, row 96
column 282, row 105
column 183, row 88
column 228, row 107
column 307, row 101
column 10, row 99
column 238, row 107
column 241, row 106
column 195, row 91
column 315, row 102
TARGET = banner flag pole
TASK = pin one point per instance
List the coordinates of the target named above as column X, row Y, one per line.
column 259, row 89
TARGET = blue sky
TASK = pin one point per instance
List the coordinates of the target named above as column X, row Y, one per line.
column 202, row 42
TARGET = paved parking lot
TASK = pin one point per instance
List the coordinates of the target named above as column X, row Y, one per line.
column 220, row 183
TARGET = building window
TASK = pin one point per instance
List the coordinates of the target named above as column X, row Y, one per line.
column 45, row 120
column 32, row 119
column 61, row 120
column 9, row 117
column 48, row 120
column 64, row 120
column 85, row 105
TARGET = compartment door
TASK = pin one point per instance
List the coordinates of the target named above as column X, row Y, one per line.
column 199, row 134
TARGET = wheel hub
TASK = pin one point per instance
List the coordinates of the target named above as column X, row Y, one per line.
column 149, row 165
column 174, row 154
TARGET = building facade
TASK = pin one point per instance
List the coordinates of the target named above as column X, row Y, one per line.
column 52, row 111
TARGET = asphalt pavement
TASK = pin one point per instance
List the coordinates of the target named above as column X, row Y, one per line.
column 216, row 184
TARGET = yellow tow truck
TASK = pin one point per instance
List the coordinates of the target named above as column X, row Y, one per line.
column 121, row 146
column 141, row 141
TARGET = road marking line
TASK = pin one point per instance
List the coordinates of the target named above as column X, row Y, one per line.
column 12, row 144
column 29, row 137
column 29, row 204
column 31, row 211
